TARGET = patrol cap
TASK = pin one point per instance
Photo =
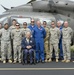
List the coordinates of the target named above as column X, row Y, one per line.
column 17, row 24
column 13, row 20
column 45, row 22
column 25, row 23
column 5, row 24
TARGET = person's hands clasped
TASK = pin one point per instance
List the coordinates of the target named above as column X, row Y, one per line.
column 28, row 47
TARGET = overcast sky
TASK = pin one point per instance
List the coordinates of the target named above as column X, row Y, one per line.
column 12, row 3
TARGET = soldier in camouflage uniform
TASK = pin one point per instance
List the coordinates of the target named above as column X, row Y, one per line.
column 0, row 40
column 17, row 35
column 46, row 40
column 66, row 41
column 54, row 40
column 13, row 26
column 25, row 29
column 5, row 44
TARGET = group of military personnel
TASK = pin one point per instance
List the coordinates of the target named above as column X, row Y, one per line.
column 57, row 38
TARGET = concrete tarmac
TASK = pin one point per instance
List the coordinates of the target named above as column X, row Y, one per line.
column 52, row 68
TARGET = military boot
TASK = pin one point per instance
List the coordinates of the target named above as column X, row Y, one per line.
column 67, row 61
column 46, row 60
column 50, row 60
column 19, row 60
column 15, row 62
column 57, row 60
column 10, row 61
column 0, row 59
column 4, row 61
column 64, row 60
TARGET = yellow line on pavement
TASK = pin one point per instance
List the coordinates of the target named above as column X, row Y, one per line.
column 33, row 69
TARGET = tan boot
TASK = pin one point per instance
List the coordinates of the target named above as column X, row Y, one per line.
column 64, row 60
column 0, row 59
column 10, row 61
column 73, row 61
column 4, row 61
column 46, row 60
column 67, row 61
column 57, row 60
column 50, row 60
column 14, row 61
column 19, row 61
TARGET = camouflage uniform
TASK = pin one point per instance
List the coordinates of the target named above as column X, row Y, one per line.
column 54, row 40
column 17, row 35
column 12, row 27
column 0, row 47
column 5, row 44
column 25, row 31
column 66, row 41
column 46, row 42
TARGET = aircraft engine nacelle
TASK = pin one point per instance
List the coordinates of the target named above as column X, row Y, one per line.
column 41, row 5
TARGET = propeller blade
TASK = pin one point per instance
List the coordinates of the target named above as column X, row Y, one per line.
column 5, row 8
column 31, row 1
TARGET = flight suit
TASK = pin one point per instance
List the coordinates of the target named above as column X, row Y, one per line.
column 46, row 42
column 17, row 35
column 54, row 41
column 60, row 44
column 66, row 41
column 39, row 35
column 31, row 28
column 5, row 44
column 25, row 31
